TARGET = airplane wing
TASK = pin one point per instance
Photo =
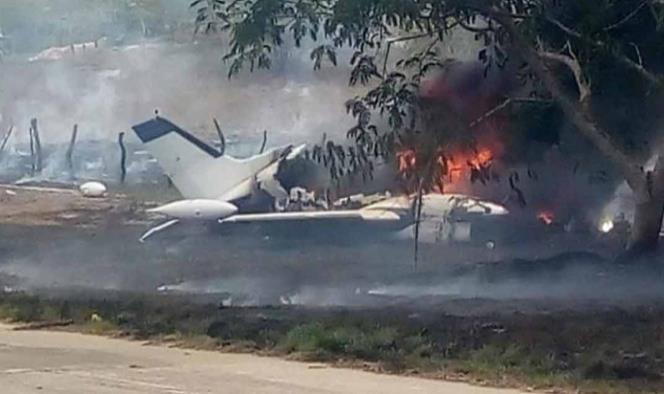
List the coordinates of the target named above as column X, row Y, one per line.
column 370, row 215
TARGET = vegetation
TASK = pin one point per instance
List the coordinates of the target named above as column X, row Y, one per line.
column 614, row 351
column 598, row 63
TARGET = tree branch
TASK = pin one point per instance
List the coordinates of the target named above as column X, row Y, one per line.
column 503, row 105
column 567, row 30
column 474, row 29
column 581, row 118
column 572, row 62
column 658, row 18
column 398, row 39
column 490, row 113
column 629, row 63
column 638, row 53
column 626, row 18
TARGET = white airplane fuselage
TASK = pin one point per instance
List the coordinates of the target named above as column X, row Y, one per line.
column 217, row 188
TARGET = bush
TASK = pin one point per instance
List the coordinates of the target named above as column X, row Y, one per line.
column 21, row 308
column 316, row 338
column 313, row 337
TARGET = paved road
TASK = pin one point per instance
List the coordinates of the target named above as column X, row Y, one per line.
column 65, row 363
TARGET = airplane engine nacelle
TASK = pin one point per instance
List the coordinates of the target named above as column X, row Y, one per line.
column 199, row 209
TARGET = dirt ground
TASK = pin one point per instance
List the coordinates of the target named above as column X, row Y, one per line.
column 53, row 362
column 59, row 206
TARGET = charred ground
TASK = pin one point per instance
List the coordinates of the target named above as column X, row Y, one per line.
column 543, row 318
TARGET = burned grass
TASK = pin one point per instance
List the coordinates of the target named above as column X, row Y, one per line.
column 601, row 351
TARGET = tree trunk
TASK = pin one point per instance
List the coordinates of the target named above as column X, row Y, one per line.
column 648, row 188
column 648, row 212
column 647, row 226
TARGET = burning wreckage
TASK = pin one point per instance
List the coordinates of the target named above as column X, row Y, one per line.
column 228, row 192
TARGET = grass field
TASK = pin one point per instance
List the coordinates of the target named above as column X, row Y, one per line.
column 609, row 351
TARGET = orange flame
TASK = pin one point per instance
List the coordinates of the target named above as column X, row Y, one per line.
column 407, row 160
column 455, row 169
column 546, row 217
column 462, row 164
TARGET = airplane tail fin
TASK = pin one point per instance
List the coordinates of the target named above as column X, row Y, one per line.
column 197, row 169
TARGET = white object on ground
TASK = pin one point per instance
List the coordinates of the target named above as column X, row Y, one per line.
column 93, row 189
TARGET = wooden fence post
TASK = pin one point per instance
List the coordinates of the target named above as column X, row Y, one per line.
column 70, row 151
column 37, row 145
column 123, row 157
column 5, row 139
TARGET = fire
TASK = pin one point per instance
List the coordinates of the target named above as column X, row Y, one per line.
column 407, row 160
column 460, row 165
column 546, row 217
column 454, row 169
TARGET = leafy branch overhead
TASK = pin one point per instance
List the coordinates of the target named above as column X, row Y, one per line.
column 584, row 56
column 369, row 27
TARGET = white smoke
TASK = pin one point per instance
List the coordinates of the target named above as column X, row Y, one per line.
column 106, row 90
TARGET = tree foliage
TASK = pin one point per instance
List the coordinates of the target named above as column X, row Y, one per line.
column 622, row 35
column 600, row 61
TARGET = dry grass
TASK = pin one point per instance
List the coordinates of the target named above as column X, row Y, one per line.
column 600, row 352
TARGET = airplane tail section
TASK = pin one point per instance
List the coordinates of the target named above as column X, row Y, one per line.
column 197, row 169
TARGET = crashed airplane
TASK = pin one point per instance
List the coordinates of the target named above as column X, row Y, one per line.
column 226, row 190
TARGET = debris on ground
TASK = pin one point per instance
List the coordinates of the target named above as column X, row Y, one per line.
column 44, row 324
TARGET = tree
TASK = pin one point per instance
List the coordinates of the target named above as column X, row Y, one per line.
column 564, row 50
